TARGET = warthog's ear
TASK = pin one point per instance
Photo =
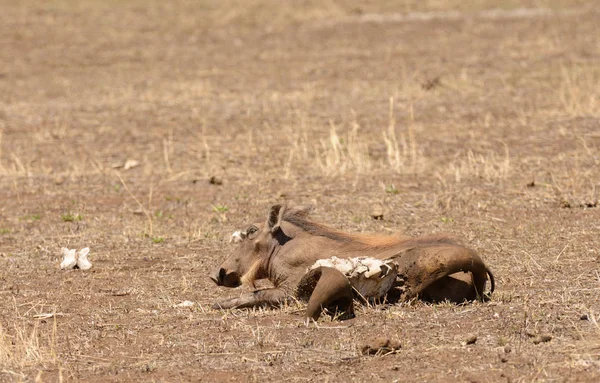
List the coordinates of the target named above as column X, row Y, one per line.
column 275, row 217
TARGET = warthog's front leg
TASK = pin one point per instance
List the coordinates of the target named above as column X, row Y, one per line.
column 266, row 297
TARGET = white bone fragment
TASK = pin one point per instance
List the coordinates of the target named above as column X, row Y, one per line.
column 82, row 260
column 185, row 304
column 69, row 260
column 370, row 277
column 130, row 164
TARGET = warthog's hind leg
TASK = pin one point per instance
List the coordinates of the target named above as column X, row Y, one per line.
column 428, row 273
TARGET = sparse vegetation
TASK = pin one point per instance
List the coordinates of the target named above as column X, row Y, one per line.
column 71, row 217
column 220, row 208
column 391, row 189
column 478, row 119
column 33, row 217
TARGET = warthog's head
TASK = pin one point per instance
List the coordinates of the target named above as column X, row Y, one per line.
column 256, row 243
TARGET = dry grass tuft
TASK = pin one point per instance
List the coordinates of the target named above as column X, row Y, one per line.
column 578, row 93
column 24, row 347
column 490, row 167
column 336, row 155
column 402, row 154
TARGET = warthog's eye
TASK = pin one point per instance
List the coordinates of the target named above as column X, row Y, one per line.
column 251, row 230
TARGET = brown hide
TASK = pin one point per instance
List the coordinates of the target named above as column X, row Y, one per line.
column 326, row 288
column 283, row 248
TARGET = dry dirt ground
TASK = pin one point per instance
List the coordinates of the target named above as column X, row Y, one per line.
column 480, row 119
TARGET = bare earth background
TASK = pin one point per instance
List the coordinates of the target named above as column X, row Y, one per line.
column 480, row 119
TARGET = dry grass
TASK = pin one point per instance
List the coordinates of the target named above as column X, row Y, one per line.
column 402, row 154
column 336, row 155
column 577, row 93
column 25, row 347
column 456, row 117
column 487, row 167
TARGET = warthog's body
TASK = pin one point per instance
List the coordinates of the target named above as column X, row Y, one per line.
column 288, row 243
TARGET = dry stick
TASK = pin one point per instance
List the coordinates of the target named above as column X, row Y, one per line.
column 1, row 167
column 562, row 251
column 411, row 138
column 136, row 200
column 166, row 154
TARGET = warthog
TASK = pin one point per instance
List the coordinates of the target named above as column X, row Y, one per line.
column 288, row 243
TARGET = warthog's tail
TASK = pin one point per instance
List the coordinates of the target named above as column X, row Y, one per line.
column 492, row 281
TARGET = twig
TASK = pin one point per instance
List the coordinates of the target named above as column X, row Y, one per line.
column 562, row 251
column 47, row 315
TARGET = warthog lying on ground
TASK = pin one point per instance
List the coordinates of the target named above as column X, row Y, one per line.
column 288, row 243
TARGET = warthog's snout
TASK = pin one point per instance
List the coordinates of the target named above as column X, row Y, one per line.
column 222, row 278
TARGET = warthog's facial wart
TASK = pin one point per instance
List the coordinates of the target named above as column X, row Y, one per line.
column 238, row 236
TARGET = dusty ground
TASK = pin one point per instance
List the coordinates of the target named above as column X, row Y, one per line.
column 480, row 119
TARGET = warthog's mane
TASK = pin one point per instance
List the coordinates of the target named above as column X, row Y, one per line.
column 300, row 218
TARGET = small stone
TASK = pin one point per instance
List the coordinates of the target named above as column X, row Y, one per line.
column 214, row 180
column 130, row 164
column 531, row 184
column 530, row 334
column 471, row 339
column 377, row 212
column 584, row 317
column 542, row 339
column 507, row 349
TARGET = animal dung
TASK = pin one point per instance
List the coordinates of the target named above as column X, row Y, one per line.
column 543, row 338
column 471, row 339
column 380, row 346
column 73, row 259
column 370, row 277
